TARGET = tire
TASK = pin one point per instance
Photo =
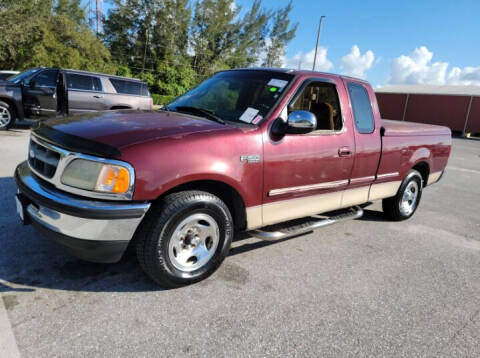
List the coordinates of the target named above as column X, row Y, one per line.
column 7, row 116
column 172, row 261
column 403, row 205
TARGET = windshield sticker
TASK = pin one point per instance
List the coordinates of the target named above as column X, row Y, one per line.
column 249, row 115
column 274, row 82
column 257, row 119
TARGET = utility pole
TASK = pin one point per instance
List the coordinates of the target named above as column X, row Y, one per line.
column 318, row 40
column 145, row 51
column 99, row 15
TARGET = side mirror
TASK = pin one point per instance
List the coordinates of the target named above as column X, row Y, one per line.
column 301, row 122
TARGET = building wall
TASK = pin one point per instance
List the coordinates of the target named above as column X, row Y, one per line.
column 473, row 124
column 446, row 110
column 391, row 105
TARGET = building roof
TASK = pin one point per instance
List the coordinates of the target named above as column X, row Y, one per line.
column 436, row 90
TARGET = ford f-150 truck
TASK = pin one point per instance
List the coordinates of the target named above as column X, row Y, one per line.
column 244, row 150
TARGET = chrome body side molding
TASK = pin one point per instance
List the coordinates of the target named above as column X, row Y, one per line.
column 387, row 175
column 304, row 188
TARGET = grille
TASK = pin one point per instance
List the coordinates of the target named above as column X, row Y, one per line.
column 43, row 160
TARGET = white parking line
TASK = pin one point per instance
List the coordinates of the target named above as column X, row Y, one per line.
column 8, row 344
column 464, row 170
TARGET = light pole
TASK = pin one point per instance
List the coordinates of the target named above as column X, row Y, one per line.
column 318, row 40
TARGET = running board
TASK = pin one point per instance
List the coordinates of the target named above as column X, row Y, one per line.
column 350, row 214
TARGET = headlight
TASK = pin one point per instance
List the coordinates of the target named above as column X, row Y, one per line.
column 97, row 176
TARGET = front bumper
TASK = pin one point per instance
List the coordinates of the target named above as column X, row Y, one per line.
column 92, row 230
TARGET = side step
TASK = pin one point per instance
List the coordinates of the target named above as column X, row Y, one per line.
column 351, row 214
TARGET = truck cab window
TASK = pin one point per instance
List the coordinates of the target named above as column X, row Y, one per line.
column 362, row 108
column 321, row 99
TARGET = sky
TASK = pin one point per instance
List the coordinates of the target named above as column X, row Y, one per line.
column 388, row 42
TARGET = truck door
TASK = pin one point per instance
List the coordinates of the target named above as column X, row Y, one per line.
column 366, row 118
column 307, row 174
column 40, row 94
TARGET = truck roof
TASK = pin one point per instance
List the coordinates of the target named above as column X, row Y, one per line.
column 297, row 72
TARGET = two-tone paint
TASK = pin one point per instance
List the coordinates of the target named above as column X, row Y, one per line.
column 292, row 176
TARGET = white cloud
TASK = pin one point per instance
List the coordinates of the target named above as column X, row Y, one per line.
column 304, row 61
column 355, row 64
column 466, row 76
column 417, row 68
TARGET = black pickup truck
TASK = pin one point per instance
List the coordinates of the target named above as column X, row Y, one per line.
column 48, row 92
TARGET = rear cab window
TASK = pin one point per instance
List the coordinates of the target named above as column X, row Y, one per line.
column 130, row 87
column 362, row 108
column 83, row 82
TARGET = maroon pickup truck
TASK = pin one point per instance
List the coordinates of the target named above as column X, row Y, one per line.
column 244, row 150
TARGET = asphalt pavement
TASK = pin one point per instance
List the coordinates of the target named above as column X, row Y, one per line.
column 367, row 287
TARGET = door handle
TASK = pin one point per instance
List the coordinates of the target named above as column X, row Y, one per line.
column 97, row 96
column 344, row 152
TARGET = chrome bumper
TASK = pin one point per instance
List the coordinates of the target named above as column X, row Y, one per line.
column 69, row 219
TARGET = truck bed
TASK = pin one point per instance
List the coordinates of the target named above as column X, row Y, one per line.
column 404, row 144
column 402, row 128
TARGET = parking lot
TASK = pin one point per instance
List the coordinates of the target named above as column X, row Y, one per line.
column 361, row 288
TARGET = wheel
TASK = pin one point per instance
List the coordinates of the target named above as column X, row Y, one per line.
column 185, row 238
column 7, row 116
column 403, row 205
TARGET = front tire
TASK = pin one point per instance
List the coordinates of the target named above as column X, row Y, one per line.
column 7, row 116
column 185, row 238
column 403, row 205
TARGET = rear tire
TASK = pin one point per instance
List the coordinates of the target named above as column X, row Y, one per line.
column 185, row 238
column 403, row 205
column 7, row 116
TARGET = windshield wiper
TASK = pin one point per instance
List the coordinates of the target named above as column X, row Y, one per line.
column 204, row 112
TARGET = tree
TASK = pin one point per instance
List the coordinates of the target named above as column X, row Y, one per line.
column 49, row 33
column 280, row 35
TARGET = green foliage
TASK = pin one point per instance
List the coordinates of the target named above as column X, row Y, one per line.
column 280, row 35
column 174, row 79
column 49, row 33
column 123, row 71
column 159, row 99
column 170, row 44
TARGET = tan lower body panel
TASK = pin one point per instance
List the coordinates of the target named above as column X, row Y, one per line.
column 300, row 207
column 284, row 210
column 433, row 177
column 254, row 217
column 355, row 196
column 384, row 190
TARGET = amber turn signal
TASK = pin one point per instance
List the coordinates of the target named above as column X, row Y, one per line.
column 113, row 179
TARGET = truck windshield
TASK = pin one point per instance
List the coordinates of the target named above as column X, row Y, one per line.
column 239, row 96
column 23, row 75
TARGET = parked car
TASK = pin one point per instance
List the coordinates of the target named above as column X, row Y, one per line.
column 244, row 150
column 41, row 93
column 6, row 74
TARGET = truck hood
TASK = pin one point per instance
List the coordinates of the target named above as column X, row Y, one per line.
column 120, row 129
column 401, row 128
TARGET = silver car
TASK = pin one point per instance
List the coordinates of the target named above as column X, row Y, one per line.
column 98, row 92
column 41, row 93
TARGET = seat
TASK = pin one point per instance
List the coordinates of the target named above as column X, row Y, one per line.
column 324, row 113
